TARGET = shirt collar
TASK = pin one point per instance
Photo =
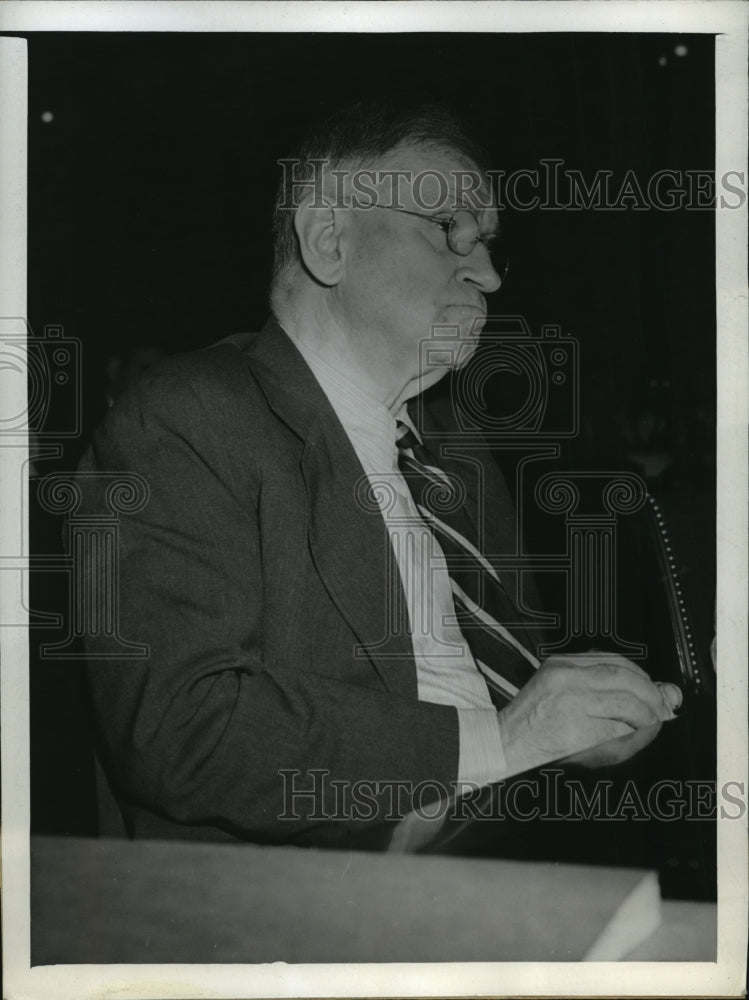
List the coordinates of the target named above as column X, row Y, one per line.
column 368, row 423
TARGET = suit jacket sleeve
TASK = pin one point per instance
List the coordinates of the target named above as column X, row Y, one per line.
column 199, row 730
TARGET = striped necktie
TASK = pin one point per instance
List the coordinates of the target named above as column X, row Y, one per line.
column 490, row 622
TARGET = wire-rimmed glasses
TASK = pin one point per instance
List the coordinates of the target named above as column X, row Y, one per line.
column 463, row 232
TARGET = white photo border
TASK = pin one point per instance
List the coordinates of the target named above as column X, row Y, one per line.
column 728, row 20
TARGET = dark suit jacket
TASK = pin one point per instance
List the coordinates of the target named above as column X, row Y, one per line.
column 268, row 598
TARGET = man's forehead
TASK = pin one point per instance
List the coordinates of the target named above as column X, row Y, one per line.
column 426, row 179
column 430, row 178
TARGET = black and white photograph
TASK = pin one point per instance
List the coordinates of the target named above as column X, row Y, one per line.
column 373, row 453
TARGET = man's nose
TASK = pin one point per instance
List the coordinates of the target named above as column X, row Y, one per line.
column 478, row 269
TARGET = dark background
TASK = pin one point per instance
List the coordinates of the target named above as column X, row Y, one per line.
column 150, row 195
column 150, row 190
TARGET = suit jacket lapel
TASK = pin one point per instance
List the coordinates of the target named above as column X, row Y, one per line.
column 347, row 535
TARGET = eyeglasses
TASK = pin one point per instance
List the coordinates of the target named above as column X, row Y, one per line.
column 463, row 231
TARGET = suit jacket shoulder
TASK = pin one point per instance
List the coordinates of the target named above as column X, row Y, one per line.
column 261, row 592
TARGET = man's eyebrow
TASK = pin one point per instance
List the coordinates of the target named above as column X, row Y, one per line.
column 493, row 228
column 450, row 208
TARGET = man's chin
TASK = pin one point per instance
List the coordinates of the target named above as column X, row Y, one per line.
column 452, row 343
column 455, row 354
column 470, row 336
column 466, row 351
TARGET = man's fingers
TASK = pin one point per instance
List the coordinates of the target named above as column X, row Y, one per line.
column 624, row 706
column 615, row 750
column 596, row 656
column 609, row 671
column 644, row 689
column 670, row 694
column 617, row 660
column 640, row 738
column 582, row 702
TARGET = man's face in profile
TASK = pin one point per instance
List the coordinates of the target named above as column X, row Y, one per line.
column 403, row 283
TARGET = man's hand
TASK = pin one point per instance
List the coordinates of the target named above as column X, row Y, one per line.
column 592, row 709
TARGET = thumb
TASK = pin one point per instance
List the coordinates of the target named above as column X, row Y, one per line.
column 671, row 695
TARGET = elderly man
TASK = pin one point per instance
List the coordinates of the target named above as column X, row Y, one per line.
column 324, row 645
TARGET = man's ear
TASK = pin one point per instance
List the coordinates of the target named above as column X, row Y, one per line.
column 319, row 233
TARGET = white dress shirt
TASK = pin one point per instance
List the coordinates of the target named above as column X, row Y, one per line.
column 445, row 669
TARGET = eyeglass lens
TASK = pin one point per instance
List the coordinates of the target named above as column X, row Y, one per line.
column 461, row 238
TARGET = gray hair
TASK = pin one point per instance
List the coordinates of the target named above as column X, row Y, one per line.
column 356, row 136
